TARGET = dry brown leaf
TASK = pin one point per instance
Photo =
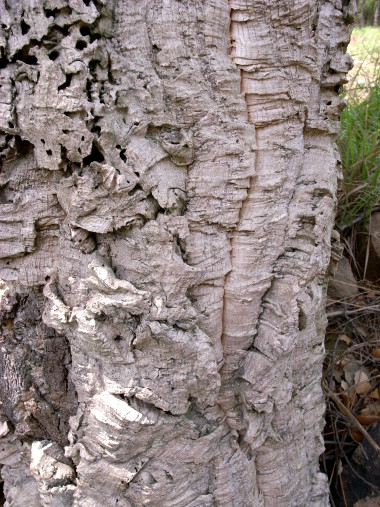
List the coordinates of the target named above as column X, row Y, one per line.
column 362, row 383
column 365, row 420
column 357, row 435
column 352, row 396
column 373, row 409
column 348, row 396
column 345, row 399
column 346, row 339
column 350, row 370
column 375, row 353
column 370, row 414
column 363, row 387
column 361, row 329
column 375, row 394
column 337, row 374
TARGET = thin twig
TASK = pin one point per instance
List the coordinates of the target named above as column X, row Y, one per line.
column 355, row 472
column 352, row 418
column 335, row 461
column 368, row 248
column 342, row 488
column 359, row 218
column 375, row 308
column 325, row 467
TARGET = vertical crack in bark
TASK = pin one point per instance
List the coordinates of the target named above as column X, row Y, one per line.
column 284, row 93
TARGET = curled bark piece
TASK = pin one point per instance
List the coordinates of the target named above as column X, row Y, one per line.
column 180, row 147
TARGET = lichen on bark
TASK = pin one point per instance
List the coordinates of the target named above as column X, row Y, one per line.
column 167, row 200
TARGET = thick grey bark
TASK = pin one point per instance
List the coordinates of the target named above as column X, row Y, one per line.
column 167, row 203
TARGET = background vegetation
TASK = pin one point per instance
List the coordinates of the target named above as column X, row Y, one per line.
column 352, row 368
column 368, row 12
column 360, row 142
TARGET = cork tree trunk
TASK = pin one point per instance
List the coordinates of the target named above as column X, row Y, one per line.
column 168, row 190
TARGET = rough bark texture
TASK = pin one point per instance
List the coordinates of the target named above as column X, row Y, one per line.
column 167, row 202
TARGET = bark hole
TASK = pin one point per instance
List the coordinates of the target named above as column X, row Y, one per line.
column 53, row 55
column 67, row 82
column 85, row 30
column 95, row 156
column 24, row 27
column 80, row 45
column 64, row 11
column 302, row 320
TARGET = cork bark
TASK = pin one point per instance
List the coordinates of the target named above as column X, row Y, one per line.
column 167, row 197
